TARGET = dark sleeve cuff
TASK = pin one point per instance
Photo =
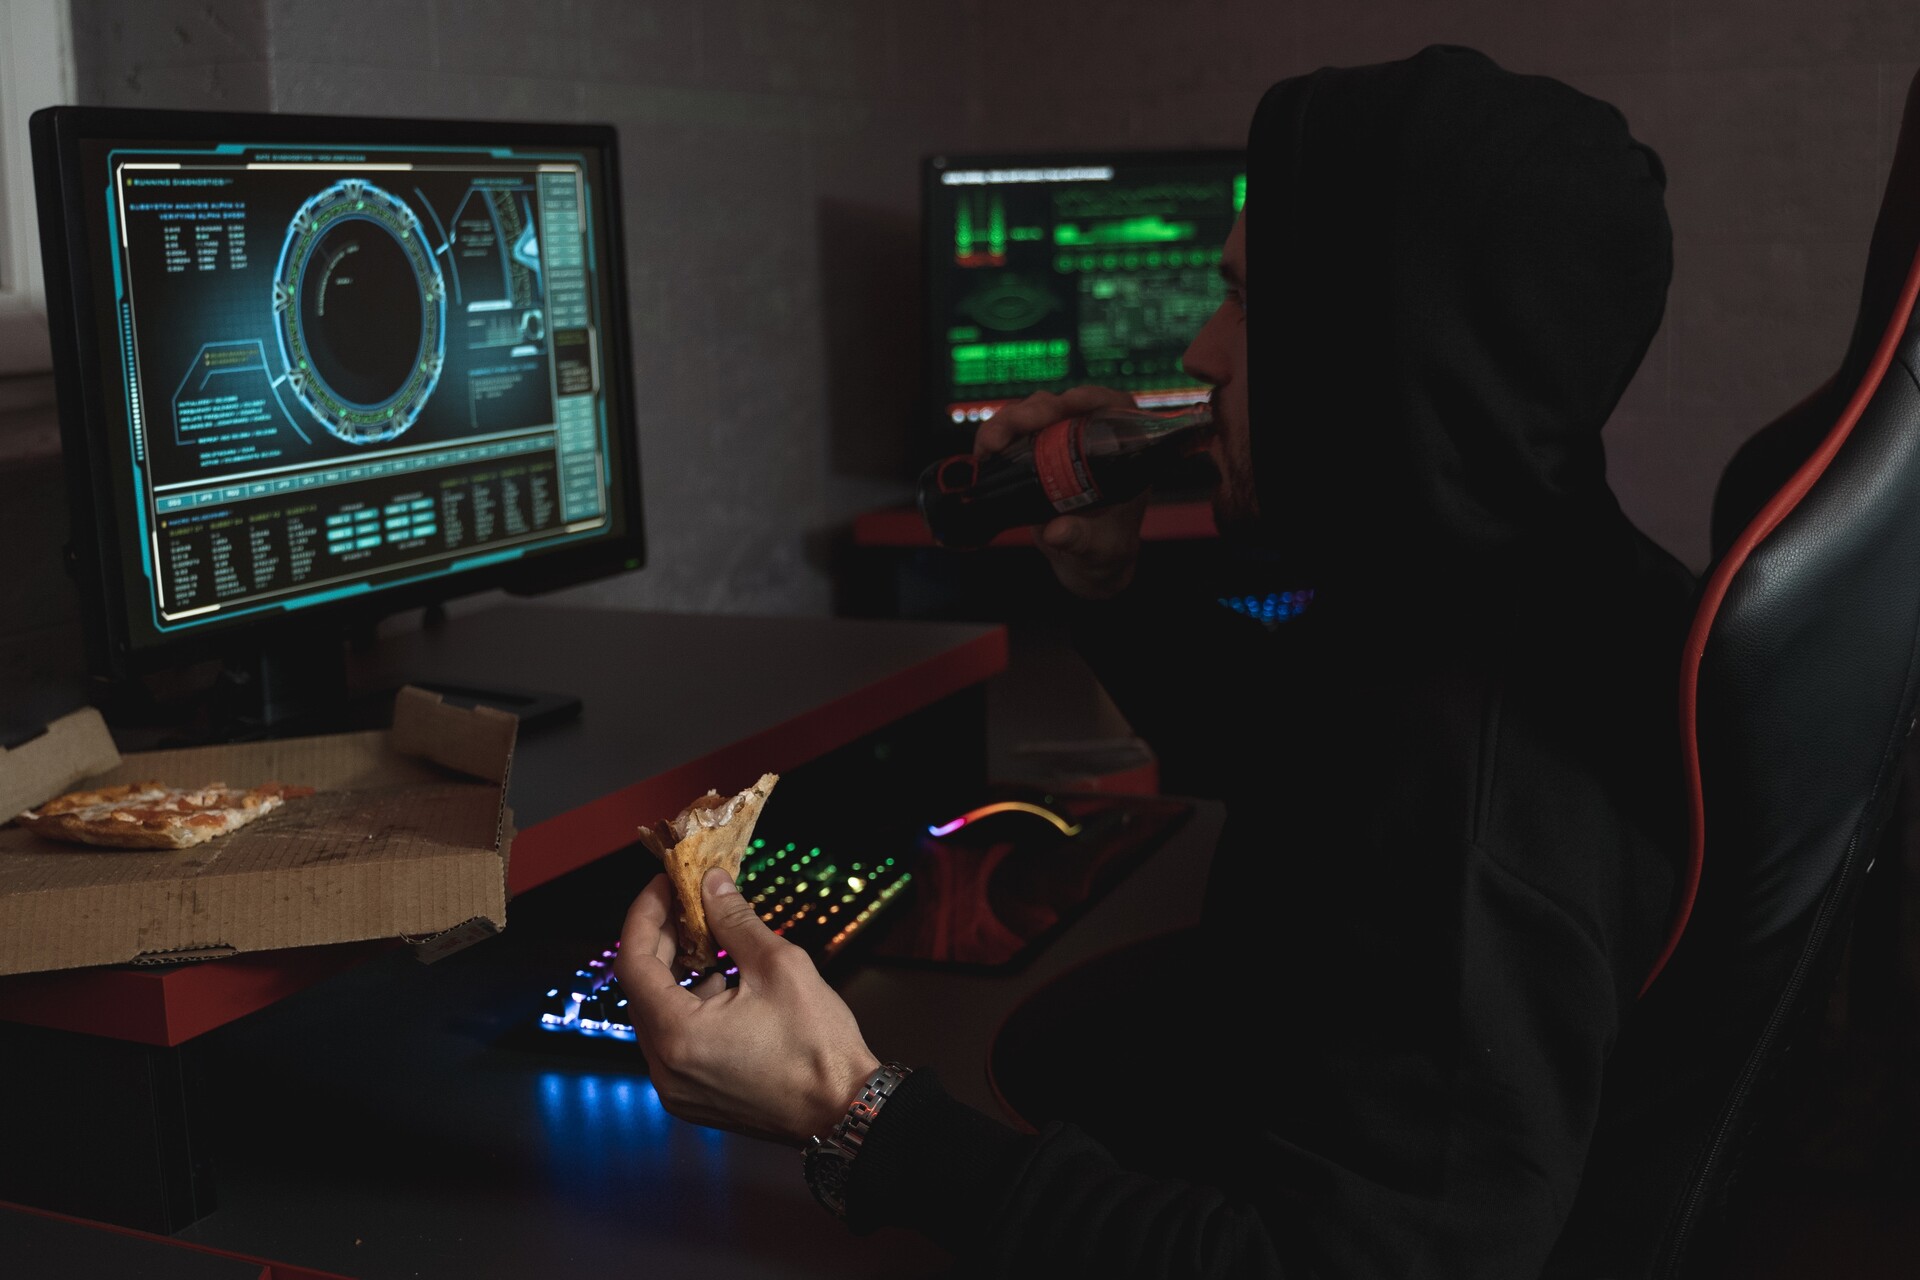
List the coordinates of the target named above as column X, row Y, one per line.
column 1096, row 617
column 933, row 1164
column 1108, row 633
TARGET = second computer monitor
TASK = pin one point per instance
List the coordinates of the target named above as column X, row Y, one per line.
column 1047, row 271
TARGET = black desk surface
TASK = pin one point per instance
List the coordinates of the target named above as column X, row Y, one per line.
column 659, row 689
column 386, row 1124
column 695, row 683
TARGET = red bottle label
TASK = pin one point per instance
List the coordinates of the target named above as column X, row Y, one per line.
column 1060, row 459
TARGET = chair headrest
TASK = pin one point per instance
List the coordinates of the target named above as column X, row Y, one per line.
column 1896, row 239
column 1764, row 462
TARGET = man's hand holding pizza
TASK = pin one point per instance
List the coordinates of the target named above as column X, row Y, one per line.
column 779, row 1056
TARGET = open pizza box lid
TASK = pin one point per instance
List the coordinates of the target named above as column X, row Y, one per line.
column 406, row 835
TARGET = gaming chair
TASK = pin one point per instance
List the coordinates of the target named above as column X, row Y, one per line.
column 1799, row 682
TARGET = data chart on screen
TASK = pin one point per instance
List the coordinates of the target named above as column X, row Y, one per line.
column 1044, row 273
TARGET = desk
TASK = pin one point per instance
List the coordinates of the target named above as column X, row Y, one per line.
column 674, row 704
column 893, row 569
column 393, row 1132
column 904, row 527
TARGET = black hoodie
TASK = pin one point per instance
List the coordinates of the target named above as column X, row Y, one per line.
column 1451, row 850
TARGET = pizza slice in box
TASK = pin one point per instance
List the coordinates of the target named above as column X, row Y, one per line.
column 153, row 815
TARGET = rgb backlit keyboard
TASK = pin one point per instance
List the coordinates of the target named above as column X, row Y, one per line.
column 818, row 901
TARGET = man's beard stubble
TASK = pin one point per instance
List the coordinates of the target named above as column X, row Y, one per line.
column 1235, row 502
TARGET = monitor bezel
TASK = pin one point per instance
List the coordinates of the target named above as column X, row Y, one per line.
column 937, row 435
column 95, row 553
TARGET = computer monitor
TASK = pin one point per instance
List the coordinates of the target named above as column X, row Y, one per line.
column 312, row 370
column 1046, row 271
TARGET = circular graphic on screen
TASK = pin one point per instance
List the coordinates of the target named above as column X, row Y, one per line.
column 1009, row 304
column 361, row 310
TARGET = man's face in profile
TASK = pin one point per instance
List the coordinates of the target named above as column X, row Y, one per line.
column 1218, row 357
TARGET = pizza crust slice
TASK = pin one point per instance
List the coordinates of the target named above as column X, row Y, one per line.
column 713, row 831
column 152, row 815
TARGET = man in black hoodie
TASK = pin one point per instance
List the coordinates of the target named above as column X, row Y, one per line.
column 1449, row 861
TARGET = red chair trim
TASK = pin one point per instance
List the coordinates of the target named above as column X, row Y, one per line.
column 1721, row 580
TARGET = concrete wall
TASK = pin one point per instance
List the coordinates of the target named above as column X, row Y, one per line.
column 770, row 152
column 209, row 55
column 766, row 149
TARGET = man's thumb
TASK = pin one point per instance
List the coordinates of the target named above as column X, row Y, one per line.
column 736, row 927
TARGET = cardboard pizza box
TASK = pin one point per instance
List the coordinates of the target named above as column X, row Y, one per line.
column 407, row 835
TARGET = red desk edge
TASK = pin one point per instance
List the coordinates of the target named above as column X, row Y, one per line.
column 170, row 1006
column 903, row 527
column 269, row 1270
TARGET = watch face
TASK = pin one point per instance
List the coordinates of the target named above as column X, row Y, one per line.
column 829, row 1160
column 826, row 1167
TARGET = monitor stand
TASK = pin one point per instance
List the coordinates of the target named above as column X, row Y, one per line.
column 292, row 688
column 302, row 686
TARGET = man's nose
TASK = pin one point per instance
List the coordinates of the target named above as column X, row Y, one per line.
column 1202, row 359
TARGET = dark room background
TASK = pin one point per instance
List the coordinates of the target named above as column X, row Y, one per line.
column 770, row 152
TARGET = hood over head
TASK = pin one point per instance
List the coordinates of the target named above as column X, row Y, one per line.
column 1452, row 273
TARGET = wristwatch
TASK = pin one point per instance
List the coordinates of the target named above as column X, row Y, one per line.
column 829, row 1159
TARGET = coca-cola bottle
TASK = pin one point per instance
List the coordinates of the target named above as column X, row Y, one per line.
column 1079, row 464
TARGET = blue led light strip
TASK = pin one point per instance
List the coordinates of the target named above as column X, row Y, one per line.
column 1271, row 609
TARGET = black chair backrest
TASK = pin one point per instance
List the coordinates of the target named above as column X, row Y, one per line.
column 1800, row 679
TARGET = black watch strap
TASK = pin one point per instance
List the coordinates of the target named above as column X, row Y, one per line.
column 830, row 1159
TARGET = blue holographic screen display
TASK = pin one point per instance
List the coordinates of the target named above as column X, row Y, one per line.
column 350, row 368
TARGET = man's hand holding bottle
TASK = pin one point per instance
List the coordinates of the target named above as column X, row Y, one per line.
column 1093, row 554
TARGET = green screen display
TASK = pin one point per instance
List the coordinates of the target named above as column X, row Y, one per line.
column 1048, row 273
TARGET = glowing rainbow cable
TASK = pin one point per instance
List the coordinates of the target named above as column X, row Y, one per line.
column 1005, row 806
